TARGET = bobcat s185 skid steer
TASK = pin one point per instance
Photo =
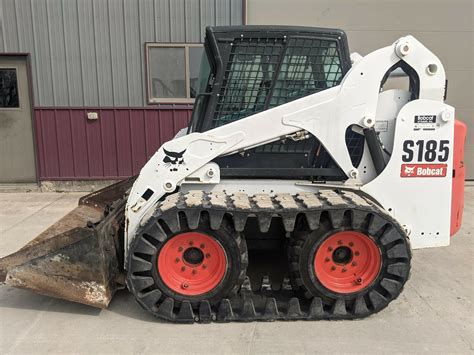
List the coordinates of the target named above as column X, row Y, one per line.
column 295, row 193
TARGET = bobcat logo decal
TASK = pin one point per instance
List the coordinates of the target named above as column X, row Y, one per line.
column 409, row 170
column 173, row 160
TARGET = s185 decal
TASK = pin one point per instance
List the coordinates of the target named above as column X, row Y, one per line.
column 428, row 151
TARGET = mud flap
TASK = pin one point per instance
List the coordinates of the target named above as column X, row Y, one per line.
column 79, row 257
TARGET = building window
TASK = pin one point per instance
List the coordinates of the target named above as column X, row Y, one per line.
column 9, row 88
column 172, row 72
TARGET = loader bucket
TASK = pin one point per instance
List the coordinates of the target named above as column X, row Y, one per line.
column 79, row 258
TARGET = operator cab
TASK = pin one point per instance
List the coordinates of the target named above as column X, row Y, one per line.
column 246, row 70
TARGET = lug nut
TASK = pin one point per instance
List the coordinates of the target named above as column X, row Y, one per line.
column 327, row 259
column 208, row 256
column 177, row 260
column 194, row 272
column 344, row 269
column 333, row 268
column 183, row 269
column 191, row 243
column 330, row 249
column 339, row 242
column 204, row 266
column 357, row 253
column 351, row 244
column 180, row 249
column 185, row 285
column 359, row 280
column 354, row 263
column 202, row 246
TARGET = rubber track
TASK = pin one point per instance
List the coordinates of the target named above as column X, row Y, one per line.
column 265, row 304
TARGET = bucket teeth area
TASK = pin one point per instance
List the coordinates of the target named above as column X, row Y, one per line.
column 76, row 258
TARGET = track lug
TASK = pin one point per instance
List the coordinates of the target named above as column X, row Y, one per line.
column 398, row 269
column 316, row 309
column 294, row 310
column 140, row 264
column 390, row 236
column 216, row 220
column 336, row 217
column 339, row 308
column 313, row 218
column 165, row 310
column 271, row 310
column 156, row 232
column 150, row 298
column 248, row 311
column 142, row 282
column 205, row 313
column 397, row 251
column 266, row 284
column 246, row 285
column 145, row 247
column 185, row 314
column 225, row 312
column 286, row 284
column 240, row 219
column 392, row 286
column 289, row 221
column 358, row 219
column 377, row 299
column 376, row 224
column 264, row 221
column 171, row 219
column 192, row 217
column 360, row 308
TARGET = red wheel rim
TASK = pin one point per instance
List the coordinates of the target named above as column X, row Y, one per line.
column 192, row 263
column 347, row 262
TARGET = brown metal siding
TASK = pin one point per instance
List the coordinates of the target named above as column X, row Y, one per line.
column 117, row 145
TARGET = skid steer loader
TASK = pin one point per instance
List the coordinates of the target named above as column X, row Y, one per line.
column 295, row 192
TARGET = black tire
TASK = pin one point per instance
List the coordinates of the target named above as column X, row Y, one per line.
column 395, row 253
column 145, row 282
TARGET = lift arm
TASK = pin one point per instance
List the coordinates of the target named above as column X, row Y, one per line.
column 325, row 114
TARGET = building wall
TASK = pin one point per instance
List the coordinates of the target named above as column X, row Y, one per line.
column 88, row 55
column 115, row 146
column 446, row 27
column 91, row 52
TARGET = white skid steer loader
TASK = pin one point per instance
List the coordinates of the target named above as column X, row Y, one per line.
column 295, row 192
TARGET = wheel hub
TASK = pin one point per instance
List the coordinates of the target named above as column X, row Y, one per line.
column 347, row 262
column 342, row 255
column 193, row 256
column 192, row 263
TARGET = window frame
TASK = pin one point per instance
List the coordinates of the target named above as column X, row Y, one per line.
column 170, row 100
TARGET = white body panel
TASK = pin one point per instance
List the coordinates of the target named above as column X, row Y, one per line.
column 423, row 204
